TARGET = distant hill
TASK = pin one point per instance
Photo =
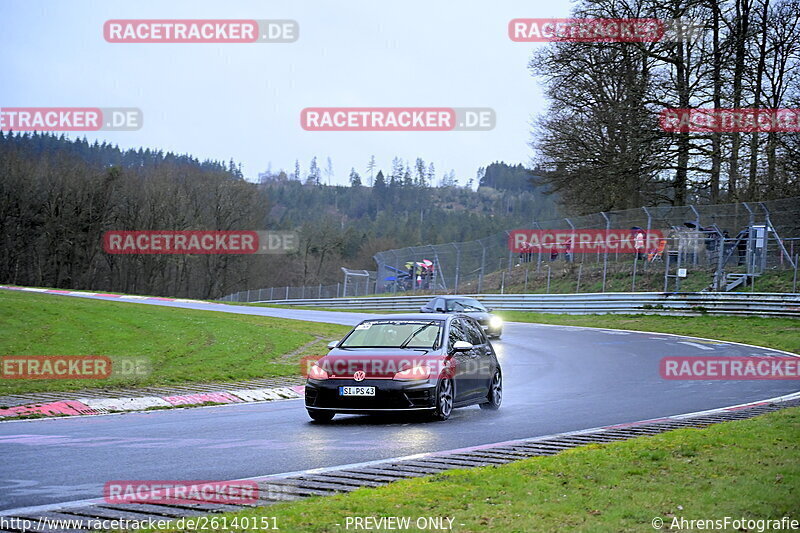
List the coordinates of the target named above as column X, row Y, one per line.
column 58, row 197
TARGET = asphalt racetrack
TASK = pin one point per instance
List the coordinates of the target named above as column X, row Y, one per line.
column 556, row 379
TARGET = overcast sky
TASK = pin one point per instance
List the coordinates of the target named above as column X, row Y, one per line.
column 243, row 101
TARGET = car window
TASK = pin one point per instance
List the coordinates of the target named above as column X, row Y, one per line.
column 394, row 334
column 438, row 303
column 457, row 333
column 465, row 304
column 474, row 332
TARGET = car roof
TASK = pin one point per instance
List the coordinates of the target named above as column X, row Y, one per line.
column 456, row 297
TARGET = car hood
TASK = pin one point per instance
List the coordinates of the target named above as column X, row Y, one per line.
column 477, row 315
column 376, row 363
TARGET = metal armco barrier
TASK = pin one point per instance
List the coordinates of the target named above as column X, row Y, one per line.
column 756, row 304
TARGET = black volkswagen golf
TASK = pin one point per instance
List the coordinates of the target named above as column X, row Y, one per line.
column 418, row 362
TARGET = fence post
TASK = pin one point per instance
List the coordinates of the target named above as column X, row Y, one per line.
column 568, row 255
column 794, row 280
column 502, row 282
column 510, row 252
column 649, row 227
column 697, row 233
column 458, row 265
column 270, row 293
column 483, row 266
column 580, row 269
column 527, row 270
column 539, row 260
column 719, row 275
column 605, row 254
column 287, row 292
column 337, row 289
column 548, row 279
column 635, row 262
column 248, row 295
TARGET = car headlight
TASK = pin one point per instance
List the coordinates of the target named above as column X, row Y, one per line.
column 316, row 372
column 496, row 322
column 414, row 373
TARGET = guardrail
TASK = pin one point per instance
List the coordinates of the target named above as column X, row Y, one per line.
column 694, row 303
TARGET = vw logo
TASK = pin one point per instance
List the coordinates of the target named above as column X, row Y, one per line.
column 359, row 375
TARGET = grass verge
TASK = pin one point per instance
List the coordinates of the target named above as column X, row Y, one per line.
column 180, row 345
column 778, row 333
column 746, row 468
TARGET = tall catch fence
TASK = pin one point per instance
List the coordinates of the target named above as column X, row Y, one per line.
column 727, row 245
column 743, row 246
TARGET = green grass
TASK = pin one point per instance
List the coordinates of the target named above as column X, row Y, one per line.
column 740, row 469
column 619, row 278
column 778, row 333
column 180, row 345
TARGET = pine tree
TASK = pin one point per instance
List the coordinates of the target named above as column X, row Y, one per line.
column 397, row 170
column 355, row 179
column 329, row 170
column 371, row 170
column 313, row 173
column 296, row 170
column 421, row 178
column 379, row 189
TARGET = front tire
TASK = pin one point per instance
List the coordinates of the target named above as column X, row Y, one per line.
column 444, row 399
column 320, row 416
column 495, row 396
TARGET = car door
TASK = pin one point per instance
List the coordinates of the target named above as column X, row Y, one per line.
column 472, row 379
column 464, row 361
column 484, row 365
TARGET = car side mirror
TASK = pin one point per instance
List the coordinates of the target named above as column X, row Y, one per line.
column 332, row 345
column 462, row 346
column 489, row 309
column 440, row 310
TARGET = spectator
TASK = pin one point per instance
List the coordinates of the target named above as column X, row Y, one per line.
column 638, row 243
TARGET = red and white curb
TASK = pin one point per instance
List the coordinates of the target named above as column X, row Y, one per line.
column 100, row 406
column 105, row 295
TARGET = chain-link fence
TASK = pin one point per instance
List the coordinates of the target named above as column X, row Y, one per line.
column 705, row 247
column 715, row 243
column 354, row 286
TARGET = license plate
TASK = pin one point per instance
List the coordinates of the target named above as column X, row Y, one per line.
column 356, row 391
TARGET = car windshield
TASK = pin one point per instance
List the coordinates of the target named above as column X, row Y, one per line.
column 465, row 304
column 410, row 334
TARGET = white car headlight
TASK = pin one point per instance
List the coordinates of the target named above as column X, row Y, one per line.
column 496, row 322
